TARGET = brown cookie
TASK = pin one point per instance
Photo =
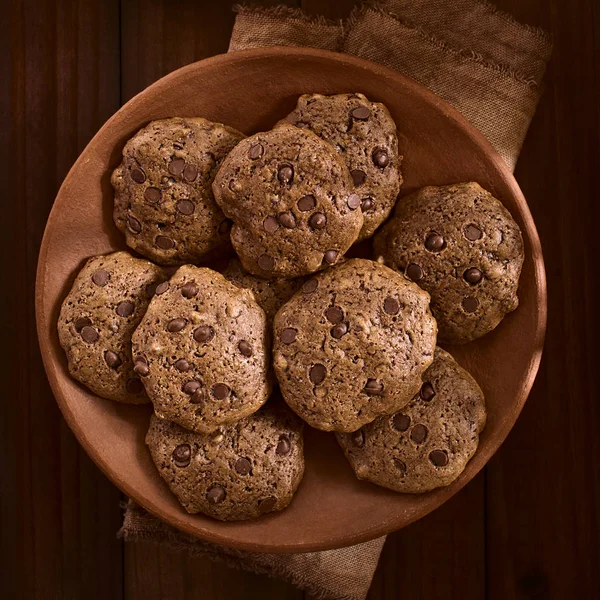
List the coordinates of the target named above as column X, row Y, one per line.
column 203, row 351
column 352, row 344
column 430, row 441
column 106, row 303
column 241, row 471
column 163, row 196
column 462, row 246
column 292, row 202
column 364, row 135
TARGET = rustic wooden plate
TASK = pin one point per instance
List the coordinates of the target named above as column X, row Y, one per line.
column 250, row 90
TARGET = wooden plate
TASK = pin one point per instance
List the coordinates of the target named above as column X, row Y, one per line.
column 250, row 90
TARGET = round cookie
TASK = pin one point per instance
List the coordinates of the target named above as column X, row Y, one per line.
column 430, row 441
column 203, row 351
column 241, row 471
column 106, row 303
column 364, row 134
column 292, row 202
column 163, row 196
column 270, row 294
column 352, row 344
column 461, row 245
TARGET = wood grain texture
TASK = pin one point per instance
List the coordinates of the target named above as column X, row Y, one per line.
column 527, row 528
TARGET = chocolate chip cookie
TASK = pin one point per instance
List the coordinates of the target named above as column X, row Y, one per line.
column 292, row 202
column 240, row 471
column 352, row 344
column 106, row 303
column 270, row 294
column 461, row 245
column 202, row 351
column 163, row 197
column 429, row 442
column 364, row 134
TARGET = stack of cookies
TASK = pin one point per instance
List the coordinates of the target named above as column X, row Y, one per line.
column 294, row 329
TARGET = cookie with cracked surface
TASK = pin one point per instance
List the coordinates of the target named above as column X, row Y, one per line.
column 430, row 441
column 460, row 244
column 108, row 299
column 241, row 471
column 292, row 202
column 163, row 196
column 364, row 134
column 352, row 344
column 203, row 349
column 271, row 294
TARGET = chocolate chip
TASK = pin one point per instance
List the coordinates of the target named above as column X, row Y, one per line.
column 199, row 396
column 164, row 243
column 317, row 374
column 307, row 203
column 472, row 232
column 381, row 158
column 418, row 434
column 182, row 365
column 287, row 219
column 189, row 387
column 270, row 224
column 245, row 348
column 362, row 113
column 358, row 177
column 190, row 172
column 285, row 174
column 134, row 386
column 330, row 256
column 400, row 422
column 339, row 331
column 266, row 262
column 204, row 334
column 243, row 466
column 225, row 226
column 220, row 391
column 189, row 289
column 89, row 334
column 138, row 175
column 414, row 272
column 434, row 242
column 186, row 207
column 216, row 494
column 366, row 204
column 101, row 277
column 473, row 275
column 373, row 388
column 233, row 185
column 308, row 287
column 267, row 505
column 401, row 466
column 288, row 336
column 256, row 151
column 358, row 438
column 81, row 322
column 391, row 306
column 470, row 304
column 176, row 166
column 334, row 314
column 161, row 288
column 283, row 445
column 125, row 309
column 140, row 366
column 317, row 221
column 439, row 458
column 112, row 359
column 152, row 195
column 353, row 201
column 176, row 325
column 133, row 224
column 182, row 455
column 427, row 392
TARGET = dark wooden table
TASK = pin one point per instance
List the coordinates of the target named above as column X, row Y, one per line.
column 527, row 527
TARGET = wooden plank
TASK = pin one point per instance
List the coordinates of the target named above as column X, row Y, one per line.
column 60, row 63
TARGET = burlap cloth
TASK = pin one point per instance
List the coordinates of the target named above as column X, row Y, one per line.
column 480, row 60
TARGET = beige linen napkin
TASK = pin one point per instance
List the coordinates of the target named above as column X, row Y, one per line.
column 480, row 60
